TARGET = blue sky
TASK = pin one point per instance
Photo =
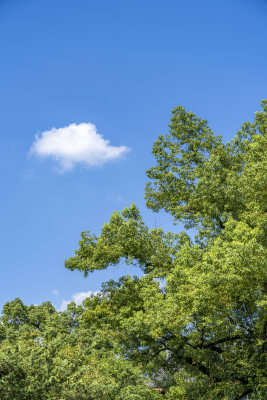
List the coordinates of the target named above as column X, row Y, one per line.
column 114, row 68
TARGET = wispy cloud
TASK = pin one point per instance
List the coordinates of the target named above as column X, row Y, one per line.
column 78, row 298
column 55, row 292
column 76, row 144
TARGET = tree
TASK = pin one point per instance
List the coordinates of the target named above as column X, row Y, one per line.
column 203, row 334
column 44, row 354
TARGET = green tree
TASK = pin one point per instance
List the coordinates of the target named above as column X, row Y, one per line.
column 203, row 334
column 45, row 354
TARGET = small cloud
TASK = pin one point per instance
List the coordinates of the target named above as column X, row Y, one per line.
column 64, row 305
column 55, row 292
column 76, row 144
column 78, row 298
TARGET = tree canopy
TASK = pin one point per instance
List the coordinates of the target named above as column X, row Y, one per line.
column 195, row 323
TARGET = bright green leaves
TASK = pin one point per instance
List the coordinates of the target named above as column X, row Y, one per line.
column 198, row 179
column 181, row 156
column 126, row 237
column 15, row 313
column 62, row 359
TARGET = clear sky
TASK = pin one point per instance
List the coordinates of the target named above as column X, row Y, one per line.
column 71, row 70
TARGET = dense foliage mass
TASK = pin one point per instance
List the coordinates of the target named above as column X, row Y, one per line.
column 195, row 323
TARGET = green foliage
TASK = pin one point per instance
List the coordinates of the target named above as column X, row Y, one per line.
column 195, row 322
column 46, row 355
column 126, row 237
column 202, row 335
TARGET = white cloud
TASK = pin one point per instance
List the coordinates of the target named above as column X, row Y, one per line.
column 78, row 298
column 74, row 144
column 55, row 292
column 64, row 305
